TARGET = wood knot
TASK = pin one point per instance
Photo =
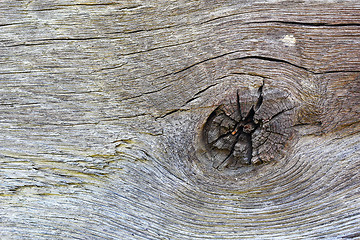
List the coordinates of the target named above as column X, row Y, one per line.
column 249, row 128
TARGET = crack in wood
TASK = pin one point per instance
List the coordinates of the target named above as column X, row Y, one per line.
column 310, row 24
column 271, row 59
column 245, row 138
column 197, row 95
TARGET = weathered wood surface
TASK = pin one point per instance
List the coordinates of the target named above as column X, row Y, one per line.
column 102, row 104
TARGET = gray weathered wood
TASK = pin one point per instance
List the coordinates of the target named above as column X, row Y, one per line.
column 102, row 104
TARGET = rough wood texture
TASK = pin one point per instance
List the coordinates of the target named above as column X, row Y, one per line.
column 103, row 104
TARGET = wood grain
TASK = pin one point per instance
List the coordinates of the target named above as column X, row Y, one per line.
column 102, row 104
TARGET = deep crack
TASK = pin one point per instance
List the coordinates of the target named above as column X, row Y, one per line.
column 243, row 138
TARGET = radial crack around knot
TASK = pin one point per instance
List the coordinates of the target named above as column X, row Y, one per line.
column 235, row 138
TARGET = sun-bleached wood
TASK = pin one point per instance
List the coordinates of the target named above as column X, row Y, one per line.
column 102, row 105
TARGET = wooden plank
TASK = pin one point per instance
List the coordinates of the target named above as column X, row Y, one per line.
column 103, row 105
